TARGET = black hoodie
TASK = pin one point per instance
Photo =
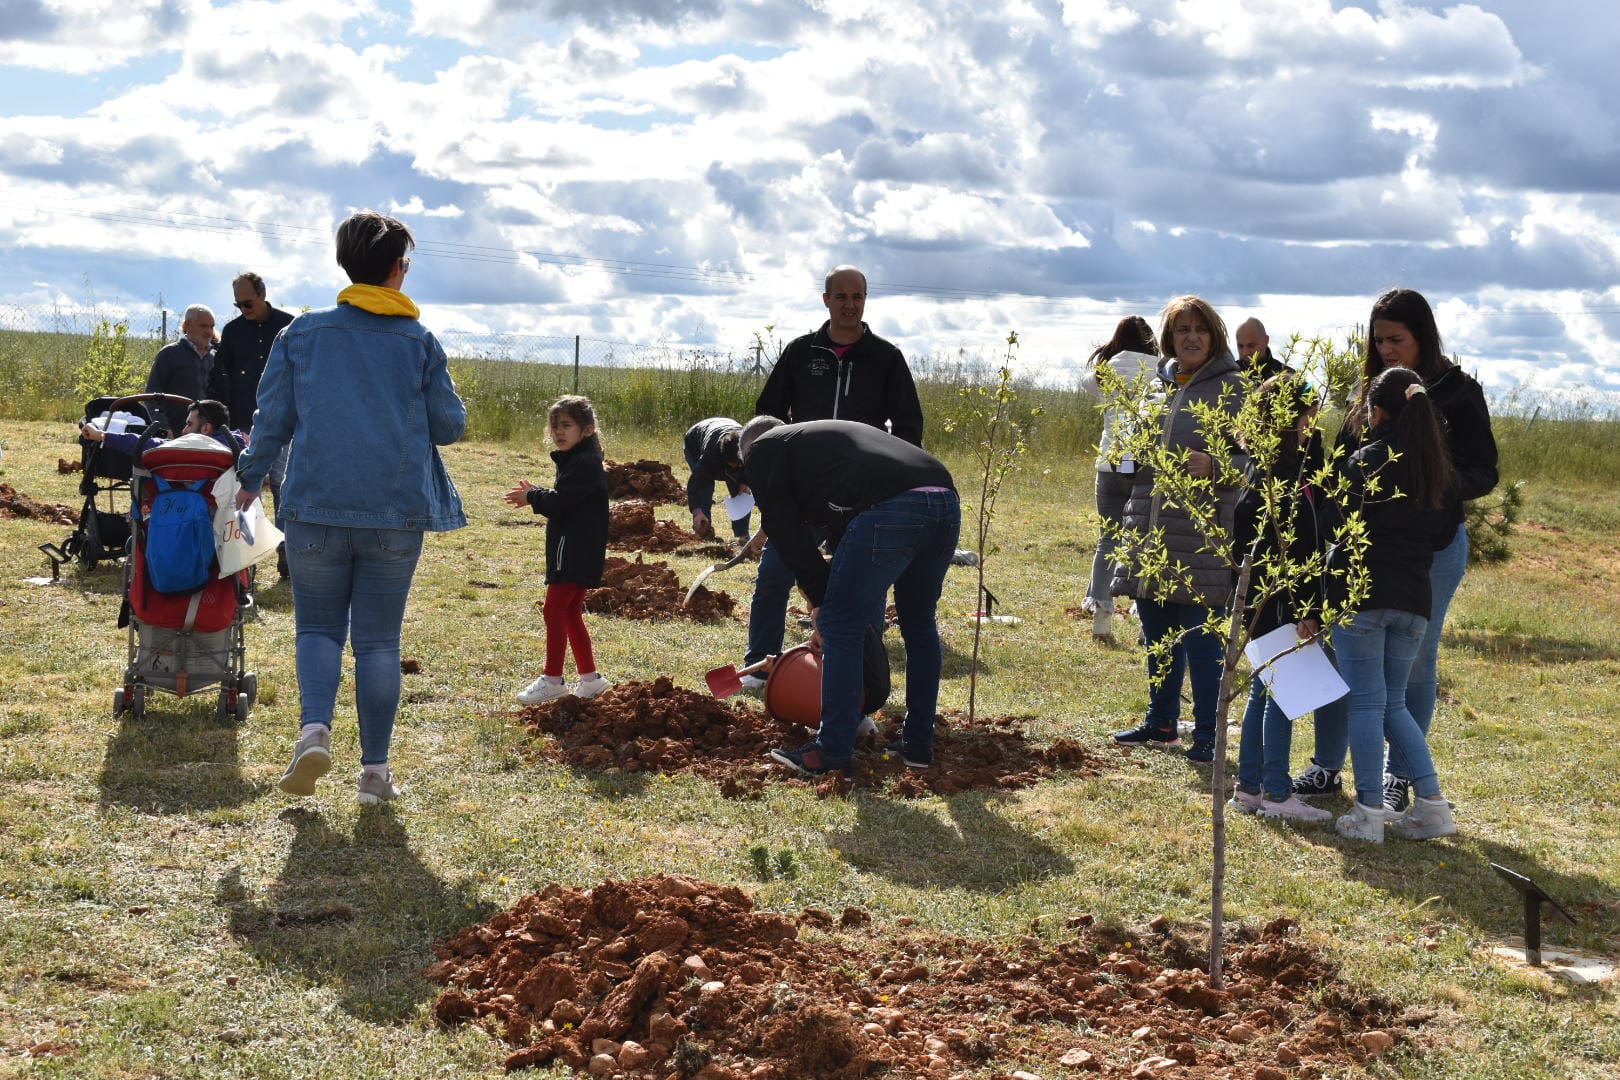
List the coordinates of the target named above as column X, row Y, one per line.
column 576, row 515
column 869, row 384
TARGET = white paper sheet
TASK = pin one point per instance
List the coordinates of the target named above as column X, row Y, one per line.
column 1302, row 680
column 739, row 506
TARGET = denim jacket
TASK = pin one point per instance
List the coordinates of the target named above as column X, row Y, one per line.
column 366, row 401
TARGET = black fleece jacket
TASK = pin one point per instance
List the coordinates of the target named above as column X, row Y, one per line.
column 1468, row 435
column 869, row 384
column 576, row 513
column 1307, row 517
column 822, row 474
column 1402, row 538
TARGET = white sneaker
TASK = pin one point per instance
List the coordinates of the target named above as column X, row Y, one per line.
column 1363, row 823
column 589, row 688
column 542, row 690
column 1294, row 809
column 1244, row 802
column 1102, row 622
column 753, row 684
column 1425, row 819
column 376, row 788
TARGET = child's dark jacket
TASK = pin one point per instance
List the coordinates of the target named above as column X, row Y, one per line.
column 576, row 513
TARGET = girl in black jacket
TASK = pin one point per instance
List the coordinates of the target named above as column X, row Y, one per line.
column 576, row 546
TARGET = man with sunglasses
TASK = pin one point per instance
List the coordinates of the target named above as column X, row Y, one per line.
column 239, row 362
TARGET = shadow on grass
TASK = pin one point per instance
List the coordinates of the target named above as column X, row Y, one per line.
column 978, row 849
column 180, row 757
column 357, row 914
column 1530, row 648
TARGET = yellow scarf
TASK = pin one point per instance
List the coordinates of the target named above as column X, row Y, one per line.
column 380, row 301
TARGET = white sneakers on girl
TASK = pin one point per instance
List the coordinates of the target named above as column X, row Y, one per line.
column 1292, row 808
column 1244, row 802
column 543, row 689
column 1363, row 823
column 1425, row 819
column 589, row 688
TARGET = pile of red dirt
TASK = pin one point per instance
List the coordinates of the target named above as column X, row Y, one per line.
column 670, row 977
column 663, row 728
column 65, row 467
column 650, row 480
column 14, row 504
column 632, row 526
column 643, row 590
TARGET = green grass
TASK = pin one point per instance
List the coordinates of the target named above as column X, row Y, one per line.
column 164, row 911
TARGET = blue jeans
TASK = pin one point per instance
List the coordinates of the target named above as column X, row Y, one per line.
column 1422, row 686
column 1376, row 650
column 1198, row 654
column 772, row 583
column 1450, row 564
column 1113, row 491
column 343, row 579
column 906, row 542
column 1264, row 745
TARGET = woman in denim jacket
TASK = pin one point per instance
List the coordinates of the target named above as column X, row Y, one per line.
column 362, row 390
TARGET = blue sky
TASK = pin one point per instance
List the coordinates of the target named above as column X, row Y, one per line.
column 684, row 171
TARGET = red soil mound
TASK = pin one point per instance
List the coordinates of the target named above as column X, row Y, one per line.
column 660, row 727
column 671, row 977
column 14, row 504
column 632, row 526
column 650, row 480
column 643, row 590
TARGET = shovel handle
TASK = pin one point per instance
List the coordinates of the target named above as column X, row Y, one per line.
column 755, row 666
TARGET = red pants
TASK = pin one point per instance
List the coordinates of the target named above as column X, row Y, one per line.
column 565, row 626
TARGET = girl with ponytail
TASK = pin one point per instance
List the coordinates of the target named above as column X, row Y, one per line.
column 1401, row 483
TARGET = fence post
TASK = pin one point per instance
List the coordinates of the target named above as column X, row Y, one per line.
column 163, row 334
column 576, row 363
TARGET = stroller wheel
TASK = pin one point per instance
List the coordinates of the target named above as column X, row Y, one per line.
column 249, row 688
column 118, row 701
column 137, row 703
column 243, row 704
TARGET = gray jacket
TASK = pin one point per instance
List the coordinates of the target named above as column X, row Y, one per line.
column 1146, row 510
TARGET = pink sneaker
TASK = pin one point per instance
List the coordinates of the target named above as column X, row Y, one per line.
column 1294, row 808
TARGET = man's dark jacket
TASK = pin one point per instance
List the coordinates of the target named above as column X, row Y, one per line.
column 822, row 474
column 244, row 346
column 706, row 444
column 179, row 370
column 869, row 384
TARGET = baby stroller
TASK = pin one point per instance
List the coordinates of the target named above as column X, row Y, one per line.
column 182, row 642
column 103, row 530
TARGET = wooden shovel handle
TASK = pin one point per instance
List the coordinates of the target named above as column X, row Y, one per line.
column 751, row 668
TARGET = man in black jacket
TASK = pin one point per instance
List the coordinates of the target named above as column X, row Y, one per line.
column 710, row 449
column 843, row 371
column 891, row 514
column 182, row 369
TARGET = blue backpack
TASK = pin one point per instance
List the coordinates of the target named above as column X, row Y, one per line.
column 179, row 536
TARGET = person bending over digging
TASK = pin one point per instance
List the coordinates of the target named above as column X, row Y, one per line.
column 710, row 448
column 892, row 517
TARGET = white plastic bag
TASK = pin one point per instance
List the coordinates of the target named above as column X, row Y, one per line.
column 241, row 537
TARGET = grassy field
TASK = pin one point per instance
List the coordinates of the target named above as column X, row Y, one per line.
column 165, row 911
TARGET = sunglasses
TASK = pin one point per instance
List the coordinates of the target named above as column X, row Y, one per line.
column 243, row 304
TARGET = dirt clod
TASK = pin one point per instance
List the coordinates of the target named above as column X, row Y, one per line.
column 644, row 590
column 656, row 726
column 779, row 1004
column 14, row 504
column 650, row 480
column 632, row 526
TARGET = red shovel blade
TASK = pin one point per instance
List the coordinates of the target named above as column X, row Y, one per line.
column 723, row 681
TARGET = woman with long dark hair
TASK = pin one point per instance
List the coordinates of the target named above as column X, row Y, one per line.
column 1402, row 334
column 1131, row 354
column 1401, row 482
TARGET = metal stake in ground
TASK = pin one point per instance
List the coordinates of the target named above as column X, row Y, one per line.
column 1534, row 897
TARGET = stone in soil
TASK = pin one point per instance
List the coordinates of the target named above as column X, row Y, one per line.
column 577, row 976
column 650, row 480
column 14, row 504
column 643, row 590
column 656, row 726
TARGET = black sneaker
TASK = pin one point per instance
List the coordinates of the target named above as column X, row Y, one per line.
column 807, row 760
column 1148, row 735
column 1318, row 780
column 1202, row 751
column 912, row 761
column 1397, row 793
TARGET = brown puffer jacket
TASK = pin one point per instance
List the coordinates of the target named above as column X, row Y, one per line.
column 1210, row 577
